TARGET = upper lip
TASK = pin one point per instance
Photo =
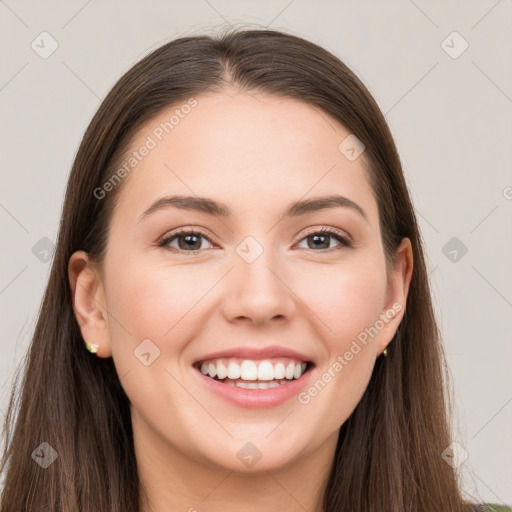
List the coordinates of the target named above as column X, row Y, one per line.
column 269, row 352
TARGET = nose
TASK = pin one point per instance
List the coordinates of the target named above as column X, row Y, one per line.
column 258, row 292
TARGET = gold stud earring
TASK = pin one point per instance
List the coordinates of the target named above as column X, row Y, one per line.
column 385, row 352
column 91, row 348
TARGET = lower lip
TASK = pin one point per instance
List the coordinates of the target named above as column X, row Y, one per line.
column 255, row 398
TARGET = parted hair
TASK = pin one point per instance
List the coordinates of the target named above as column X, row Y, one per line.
column 389, row 452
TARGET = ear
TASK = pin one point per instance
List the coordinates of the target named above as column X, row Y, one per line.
column 89, row 302
column 399, row 280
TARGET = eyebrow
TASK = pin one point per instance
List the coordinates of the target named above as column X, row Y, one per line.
column 211, row 207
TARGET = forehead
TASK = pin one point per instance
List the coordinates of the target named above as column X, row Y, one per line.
column 244, row 149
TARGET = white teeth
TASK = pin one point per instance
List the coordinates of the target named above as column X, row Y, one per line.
column 249, row 370
column 265, row 371
column 222, row 371
column 290, row 370
column 233, row 371
column 257, row 385
column 279, row 371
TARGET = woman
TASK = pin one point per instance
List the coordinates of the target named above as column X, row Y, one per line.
column 239, row 255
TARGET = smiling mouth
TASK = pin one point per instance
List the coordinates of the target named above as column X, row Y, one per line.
column 254, row 374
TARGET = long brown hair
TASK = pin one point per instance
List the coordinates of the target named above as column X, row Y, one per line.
column 389, row 452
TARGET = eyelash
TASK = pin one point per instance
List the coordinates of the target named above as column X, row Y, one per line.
column 334, row 233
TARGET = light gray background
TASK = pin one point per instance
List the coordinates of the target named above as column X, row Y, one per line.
column 451, row 118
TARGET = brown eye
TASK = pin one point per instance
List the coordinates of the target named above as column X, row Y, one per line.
column 187, row 241
column 322, row 240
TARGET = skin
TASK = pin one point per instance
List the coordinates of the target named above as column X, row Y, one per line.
column 256, row 154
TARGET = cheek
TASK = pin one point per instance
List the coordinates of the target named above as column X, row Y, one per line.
column 153, row 300
column 345, row 298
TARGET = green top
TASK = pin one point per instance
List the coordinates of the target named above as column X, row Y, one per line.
column 498, row 508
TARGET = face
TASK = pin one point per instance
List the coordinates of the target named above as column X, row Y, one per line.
column 302, row 297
